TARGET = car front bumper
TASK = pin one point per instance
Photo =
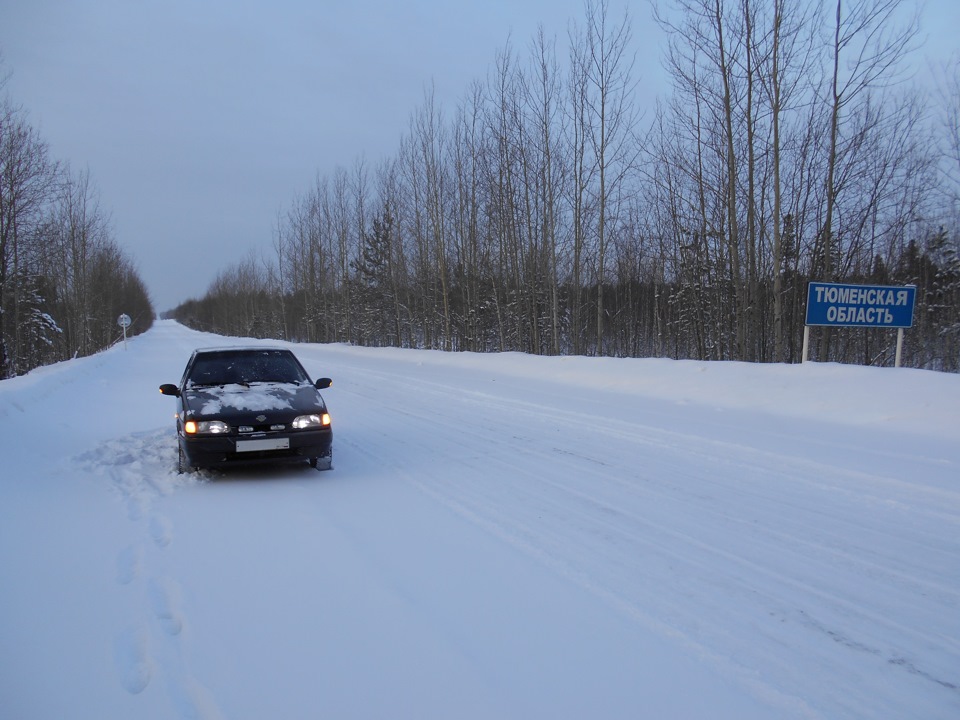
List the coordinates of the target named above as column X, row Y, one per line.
column 207, row 451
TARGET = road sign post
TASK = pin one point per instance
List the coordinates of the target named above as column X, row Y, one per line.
column 124, row 321
column 876, row 306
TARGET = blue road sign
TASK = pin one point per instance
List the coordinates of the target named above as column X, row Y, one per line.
column 860, row 305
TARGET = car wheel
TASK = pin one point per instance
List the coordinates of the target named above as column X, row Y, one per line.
column 324, row 463
column 182, row 466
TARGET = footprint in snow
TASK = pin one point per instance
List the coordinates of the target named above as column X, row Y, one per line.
column 132, row 660
column 129, row 563
column 161, row 530
column 165, row 600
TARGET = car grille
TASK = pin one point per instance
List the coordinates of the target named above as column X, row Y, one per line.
column 268, row 427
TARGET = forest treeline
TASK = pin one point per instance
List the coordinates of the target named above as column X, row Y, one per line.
column 64, row 280
column 548, row 212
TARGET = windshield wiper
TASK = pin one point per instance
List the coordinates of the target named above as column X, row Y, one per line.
column 220, row 383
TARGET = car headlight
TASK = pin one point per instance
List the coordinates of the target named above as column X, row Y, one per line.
column 304, row 422
column 206, row 427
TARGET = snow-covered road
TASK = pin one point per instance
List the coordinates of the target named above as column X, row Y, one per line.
column 501, row 537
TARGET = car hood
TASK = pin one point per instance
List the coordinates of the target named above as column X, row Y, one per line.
column 279, row 402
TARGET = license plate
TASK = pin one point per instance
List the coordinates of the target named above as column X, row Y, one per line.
column 268, row 444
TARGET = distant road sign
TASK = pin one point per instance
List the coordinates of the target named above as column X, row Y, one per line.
column 124, row 321
column 881, row 306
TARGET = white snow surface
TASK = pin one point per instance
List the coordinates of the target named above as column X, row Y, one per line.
column 502, row 536
column 258, row 396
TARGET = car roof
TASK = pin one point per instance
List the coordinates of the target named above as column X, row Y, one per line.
column 241, row 348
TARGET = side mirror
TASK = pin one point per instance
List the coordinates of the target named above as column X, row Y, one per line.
column 323, row 383
column 169, row 389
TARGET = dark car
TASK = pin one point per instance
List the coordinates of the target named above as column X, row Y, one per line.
column 246, row 405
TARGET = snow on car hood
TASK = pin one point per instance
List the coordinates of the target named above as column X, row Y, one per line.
column 236, row 397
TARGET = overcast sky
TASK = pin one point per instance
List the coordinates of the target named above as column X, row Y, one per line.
column 201, row 120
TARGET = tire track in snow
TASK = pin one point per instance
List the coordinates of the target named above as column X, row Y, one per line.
column 762, row 478
column 780, row 538
column 142, row 471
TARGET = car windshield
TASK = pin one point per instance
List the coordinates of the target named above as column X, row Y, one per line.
column 245, row 367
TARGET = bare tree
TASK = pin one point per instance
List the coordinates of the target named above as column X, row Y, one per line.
column 431, row 147
column 81, row 231
column 27, row 183
column 948, row 121
column 542, row 92
column 867, row 47
column 471, row 254
column 785, row 60
column 611, row 121
column 580, row 178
